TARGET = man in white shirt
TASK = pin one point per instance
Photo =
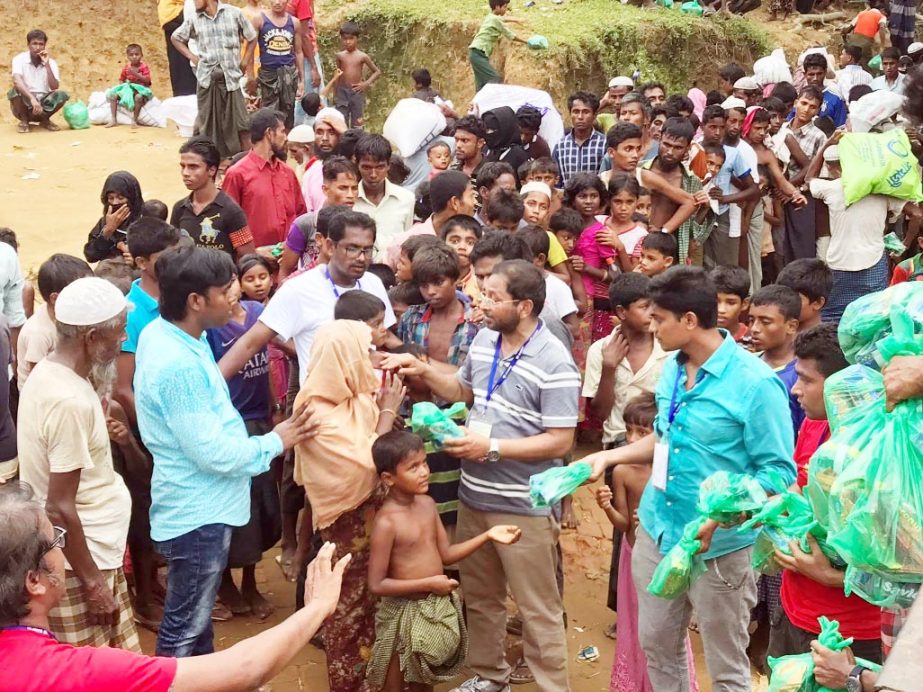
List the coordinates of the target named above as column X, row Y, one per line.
column 305, row 302
column 851, row 73
column 890, row 78
column 390, row 205
column 856, row 254
column 35, row 95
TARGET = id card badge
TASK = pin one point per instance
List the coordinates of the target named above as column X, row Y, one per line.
column 661, row 464
column 479, row 426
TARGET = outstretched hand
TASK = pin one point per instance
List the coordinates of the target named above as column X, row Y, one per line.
column 504, row 534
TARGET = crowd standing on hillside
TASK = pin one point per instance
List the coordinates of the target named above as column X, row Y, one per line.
column 241, row 367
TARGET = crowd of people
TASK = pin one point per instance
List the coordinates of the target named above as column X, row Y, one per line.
column 244, row 367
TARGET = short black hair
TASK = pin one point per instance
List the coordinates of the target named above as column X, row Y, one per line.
column 184, row 270
column 422, row 77
column 891, row 52
column 647, row 86
column 155, row 209
column 149, row 235
column 472, row 124
column 715, row 150
column 676, row 104
column 469, row 223
column 524, row 281
column 536, row 238
column 8, row 236
column 384, row 273
column 855, row 52
column 529, row 117
column 620, row 132
column 310, row 103
column 58, row 271
column 786, row 299
column 336, row 231
column 438, row 144
column 813, row 60
column 326, row 214
column 262, row 121
column 433, row 263
column 500, row 244
column 348, row 141
column 494, row 4
column 713, row 112
column 809, row 276
column 584, row 181
column 116, row 272
column 372, row 146
column 36, row 34
column 785, row 92
column 821, row 344
column 812, row 92
column 205, row 148
column 544, row 164
column 732, row 280
column 627, row 288
column 349, row 29
column 664, row 243
column 857, row 92
column 394, row 446
column 415, row 243
column 686, row 289
column 731, row 72
column 566, row 219
column 589, row 98
column 504, row 205
column 334, row 166
column 641, row 410
column 678, row 128
column 134, row 46
column 774, row 104
column 446, row 185
column 491, row 172
column 398, row 170
column 407, row 293
column 358, row 305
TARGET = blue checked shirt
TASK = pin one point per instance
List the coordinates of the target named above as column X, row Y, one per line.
column 218, row 43
column 573, row 158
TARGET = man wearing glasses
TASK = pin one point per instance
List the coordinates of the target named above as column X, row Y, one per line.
column 65, row 455
column 305, row 302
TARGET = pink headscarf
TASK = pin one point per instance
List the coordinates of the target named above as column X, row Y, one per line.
column 748, row 121
column 698, row 98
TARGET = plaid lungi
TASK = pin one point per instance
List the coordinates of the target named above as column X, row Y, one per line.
column 49, row 101
column 892, row 622
column 902, row 21
column 69, row 619
column 850, row 286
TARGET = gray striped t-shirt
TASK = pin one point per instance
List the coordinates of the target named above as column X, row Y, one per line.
column 541, row 392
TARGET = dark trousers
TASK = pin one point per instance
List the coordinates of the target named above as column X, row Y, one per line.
column 182, row 78
column 785, row 639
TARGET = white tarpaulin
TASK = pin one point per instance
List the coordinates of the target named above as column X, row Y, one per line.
column 100, row 111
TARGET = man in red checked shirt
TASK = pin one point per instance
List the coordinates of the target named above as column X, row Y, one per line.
column 811, row 585
column 137, row 73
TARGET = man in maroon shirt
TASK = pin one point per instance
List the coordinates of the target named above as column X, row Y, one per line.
column 32, row 660
column 811, row 586
column 264, row 187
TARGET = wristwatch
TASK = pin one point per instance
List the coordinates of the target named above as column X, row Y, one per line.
column 493, row 456
column 854, row 681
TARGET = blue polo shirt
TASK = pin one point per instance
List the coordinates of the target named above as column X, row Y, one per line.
column 146, row 309
column 735, row 418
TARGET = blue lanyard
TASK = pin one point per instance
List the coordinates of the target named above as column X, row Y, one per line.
column 493, row 386
column 674, row 405
column 26, row 628
column 336, row 293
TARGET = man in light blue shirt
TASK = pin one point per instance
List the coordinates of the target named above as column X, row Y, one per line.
column 890, row 78
column 719, row 408
column 203, row 457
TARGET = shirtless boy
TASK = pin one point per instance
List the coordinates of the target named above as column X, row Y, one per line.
column 409, row 549
column 351, row 87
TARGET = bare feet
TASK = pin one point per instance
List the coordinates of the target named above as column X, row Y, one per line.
column 568, row 516
column 231, row 597
column 148, row 616
column 259, row 606
column 286, row 562
column 48, row 125
column 610, row 631
column 22, row 127
column 114, row 123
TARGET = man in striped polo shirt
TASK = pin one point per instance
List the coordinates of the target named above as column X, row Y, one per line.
column 522, row 387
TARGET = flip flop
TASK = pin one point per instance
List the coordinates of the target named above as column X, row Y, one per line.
column 521, row 674
column 22, row 127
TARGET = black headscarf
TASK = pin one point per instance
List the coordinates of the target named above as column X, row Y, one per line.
column 127, row 185
column 503, row 137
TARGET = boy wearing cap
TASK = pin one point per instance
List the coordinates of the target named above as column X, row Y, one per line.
column 747, row 89
column 611, row 101
column 64, row 454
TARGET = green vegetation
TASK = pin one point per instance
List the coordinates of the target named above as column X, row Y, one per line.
column 590, row 41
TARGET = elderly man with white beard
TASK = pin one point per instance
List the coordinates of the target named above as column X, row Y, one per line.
column 65, row 455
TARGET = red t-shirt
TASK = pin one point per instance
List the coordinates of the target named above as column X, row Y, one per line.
column 127, row 76
column 803, row 599
column 34, row 661
column 302, row 9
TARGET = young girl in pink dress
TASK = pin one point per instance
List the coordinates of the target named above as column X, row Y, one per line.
column 629, row 671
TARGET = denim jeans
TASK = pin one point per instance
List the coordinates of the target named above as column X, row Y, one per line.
column 195, row 562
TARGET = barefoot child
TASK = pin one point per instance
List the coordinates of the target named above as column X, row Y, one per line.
column 620, row 502
column 351, row 87
column 134, row 87
column 420, row 635
column 485, row 40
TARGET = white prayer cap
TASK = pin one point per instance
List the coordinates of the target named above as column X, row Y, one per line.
column 747, row 84
column 301, row 134
column 88, row 301
column 733, row 102
column 831, row 153
column 621, row 81
column 914, row 47
column 332, row 117
column 535, row 186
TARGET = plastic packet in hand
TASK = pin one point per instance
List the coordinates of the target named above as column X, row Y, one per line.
column 537, row 42
column 435, row 425
column 725, row 496
column 870, row 318
column 551, row 486
column 893, row 244
column 879, row 590
column 681, row 566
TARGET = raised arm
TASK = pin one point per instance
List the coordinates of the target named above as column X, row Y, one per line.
column 256, row 338
column 640, row 452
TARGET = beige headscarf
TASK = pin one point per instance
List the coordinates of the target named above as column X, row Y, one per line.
column 335, row 466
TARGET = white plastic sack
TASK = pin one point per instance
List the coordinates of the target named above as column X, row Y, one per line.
column 183, row 111
column 413, row 124
column 874, row 109
column 772, row 69
column 100, row 111
column 495, row 95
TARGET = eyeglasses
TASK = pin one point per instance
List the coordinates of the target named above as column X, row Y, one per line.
column 491, row 303
column 354, row 251
column 58, row 541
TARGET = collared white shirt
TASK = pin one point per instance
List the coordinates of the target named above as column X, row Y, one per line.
column 35, row 78
column 880, row 83
column 392, row 215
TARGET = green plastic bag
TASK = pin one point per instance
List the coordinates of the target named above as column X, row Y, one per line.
column 537, row 42
column 879, row 163
column 680, row 567
column 873, row 317
column 875, row 63
column 725, row 496
column 893, row 244
column 550, row 487
column 795, row 673
column 435, row 425
column 126, row 93
column 692, row 7
column 665, row 3
column 879, row 590
column 77, row 116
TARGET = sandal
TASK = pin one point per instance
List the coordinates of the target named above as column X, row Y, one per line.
column 521, row 674
column 22, row 127
column 221, row 613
